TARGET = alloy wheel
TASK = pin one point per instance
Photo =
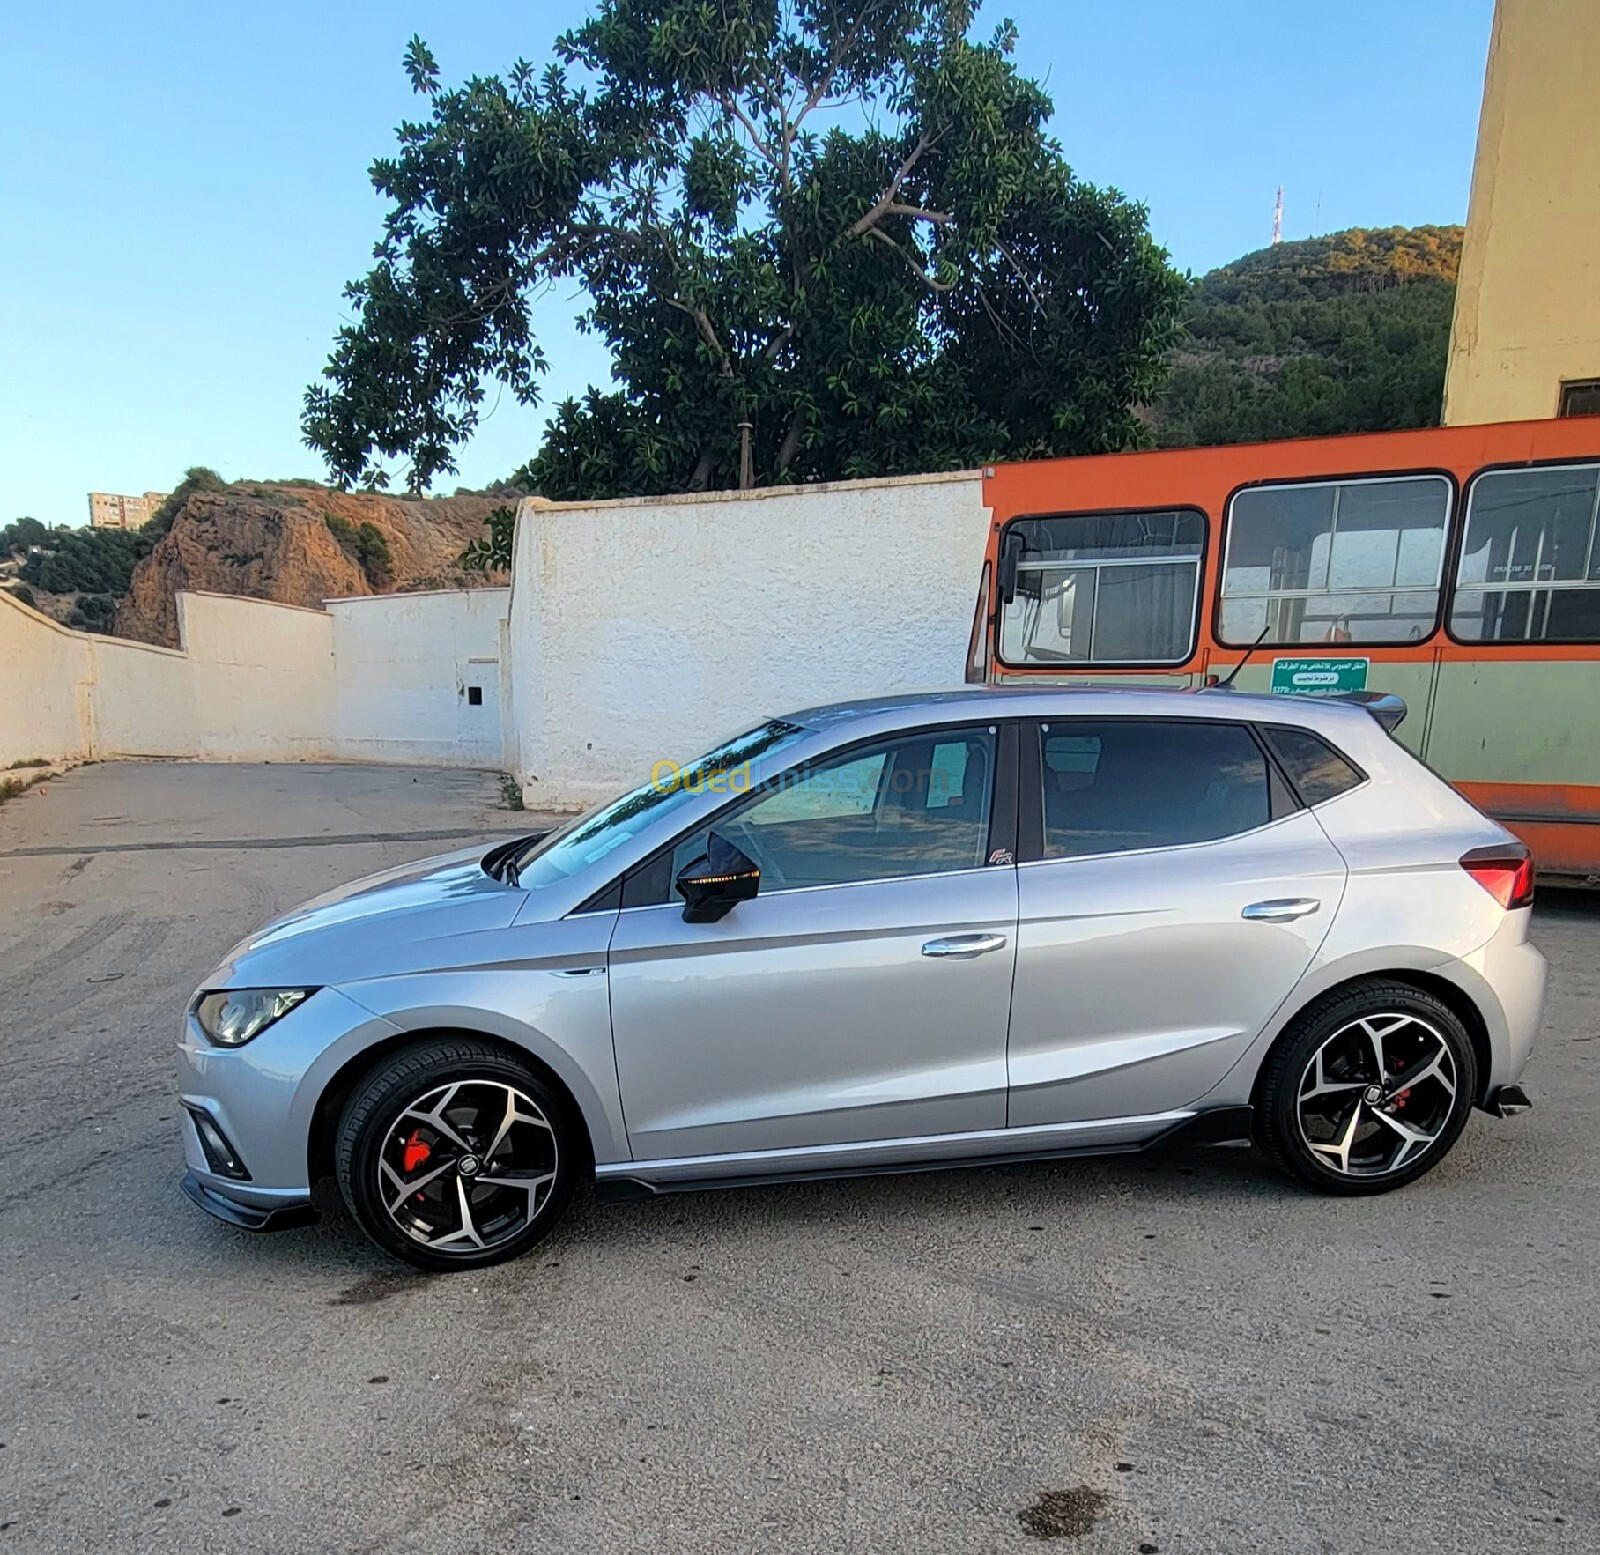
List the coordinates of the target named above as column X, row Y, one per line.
column 467, row 1166
column 1377, row 1094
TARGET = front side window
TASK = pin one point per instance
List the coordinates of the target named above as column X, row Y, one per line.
column 916, row 804
column 1131, row 783
column 1103, row 588
column 1334, row 562
column 1530, row 565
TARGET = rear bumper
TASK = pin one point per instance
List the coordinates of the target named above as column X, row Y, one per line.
column 285, row 1215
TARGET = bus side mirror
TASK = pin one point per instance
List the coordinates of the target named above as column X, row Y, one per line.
column 1011, row 549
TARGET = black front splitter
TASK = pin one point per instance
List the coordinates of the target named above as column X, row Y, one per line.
column 248, row 1217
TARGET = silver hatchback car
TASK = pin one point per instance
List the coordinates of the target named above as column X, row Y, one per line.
column 978, row 926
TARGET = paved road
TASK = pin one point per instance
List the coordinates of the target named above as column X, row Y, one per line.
column 1182, row 1355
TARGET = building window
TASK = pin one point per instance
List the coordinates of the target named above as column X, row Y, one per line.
column 474, row 696
column 1103, row 588
column 1580, row 397
column 1530, row 565
column 1356, row 561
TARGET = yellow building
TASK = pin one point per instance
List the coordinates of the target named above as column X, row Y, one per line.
column 112, row 510
column 1525, row 343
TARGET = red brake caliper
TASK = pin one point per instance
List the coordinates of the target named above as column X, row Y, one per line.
column 415, row 1152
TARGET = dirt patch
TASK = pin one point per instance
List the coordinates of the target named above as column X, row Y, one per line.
column 377, row 1287
column 1063, row 1514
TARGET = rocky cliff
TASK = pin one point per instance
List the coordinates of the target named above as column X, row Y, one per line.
column 299, row 545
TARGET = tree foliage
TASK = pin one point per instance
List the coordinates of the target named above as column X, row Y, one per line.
column 196, row 478
column 1347, row 333
column 491, row 551
column 17, row 536
column 90, row 561
column 838, row 222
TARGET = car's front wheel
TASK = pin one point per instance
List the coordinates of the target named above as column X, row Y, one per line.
column 453, row 1154
column 1367, row 1090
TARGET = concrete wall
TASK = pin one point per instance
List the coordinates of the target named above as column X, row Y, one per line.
column 651, row 628
column 405, row 669
column 44, row 675
column 1527, row 311
column 378, row 679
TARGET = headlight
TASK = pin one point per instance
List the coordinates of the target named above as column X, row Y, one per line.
column 234, row 1015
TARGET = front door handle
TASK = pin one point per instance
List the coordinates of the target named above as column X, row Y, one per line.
column 964, row 945
column 1283, row 909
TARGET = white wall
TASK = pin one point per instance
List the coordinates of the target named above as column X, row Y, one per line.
column 651, row 628
column 405, row 665
column 379, row 679
column 44, row 697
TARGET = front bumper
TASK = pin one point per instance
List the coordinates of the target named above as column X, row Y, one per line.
column 248, row 1217
column 261, row 1101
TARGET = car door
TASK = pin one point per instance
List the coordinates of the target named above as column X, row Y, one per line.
column 863, row 994
column 1171, row 893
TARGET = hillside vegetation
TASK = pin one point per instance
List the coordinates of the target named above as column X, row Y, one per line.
column 1345, row 333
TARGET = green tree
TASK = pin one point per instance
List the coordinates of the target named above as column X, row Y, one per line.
column 18, row 535
column 838, row 223
column 1347, row 333
column 91, row 561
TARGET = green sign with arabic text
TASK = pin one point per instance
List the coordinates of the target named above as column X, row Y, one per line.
column 1318, row 677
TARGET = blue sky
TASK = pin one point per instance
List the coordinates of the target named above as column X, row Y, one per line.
column 184, row 189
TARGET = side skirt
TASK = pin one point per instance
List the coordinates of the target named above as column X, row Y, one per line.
column 1219, row 1125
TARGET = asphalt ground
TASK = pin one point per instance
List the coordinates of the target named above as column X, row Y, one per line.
column 1177, row 1354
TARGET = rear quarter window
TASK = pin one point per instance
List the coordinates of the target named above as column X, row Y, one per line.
column 1318, row 771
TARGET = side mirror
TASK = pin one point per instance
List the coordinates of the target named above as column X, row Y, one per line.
column 713, row 883
column 1011, row 548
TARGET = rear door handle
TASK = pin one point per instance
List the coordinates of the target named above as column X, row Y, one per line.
column 1283, row 909
column 964, row 945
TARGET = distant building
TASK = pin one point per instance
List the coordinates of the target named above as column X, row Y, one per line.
column 1526, row 339
column 110, row 510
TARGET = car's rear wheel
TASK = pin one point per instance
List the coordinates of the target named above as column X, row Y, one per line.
column 1367, row 1090
column 453, row 1155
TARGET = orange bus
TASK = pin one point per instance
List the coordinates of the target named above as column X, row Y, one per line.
column 1457, row 567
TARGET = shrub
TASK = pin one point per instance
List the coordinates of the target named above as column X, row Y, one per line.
column 196, row 478
column 365, row 545
column 23, row 592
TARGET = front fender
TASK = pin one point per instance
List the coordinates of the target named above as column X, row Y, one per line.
column 555, row 1005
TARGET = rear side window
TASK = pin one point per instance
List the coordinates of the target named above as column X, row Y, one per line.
column 1130, row 783
column 1316, row 769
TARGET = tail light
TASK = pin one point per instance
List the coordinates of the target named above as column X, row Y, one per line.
column 1505, row 873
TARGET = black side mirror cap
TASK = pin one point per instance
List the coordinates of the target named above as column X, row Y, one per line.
column 713, row 884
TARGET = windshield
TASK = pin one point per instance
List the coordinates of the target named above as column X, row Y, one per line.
column 589, row 838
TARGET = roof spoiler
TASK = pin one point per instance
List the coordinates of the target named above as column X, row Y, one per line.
column 1385, row 706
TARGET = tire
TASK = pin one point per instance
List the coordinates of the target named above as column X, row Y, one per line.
column 1351, row 1126
column 453, row 1154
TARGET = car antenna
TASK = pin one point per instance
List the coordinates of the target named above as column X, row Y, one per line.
column 1233, row 674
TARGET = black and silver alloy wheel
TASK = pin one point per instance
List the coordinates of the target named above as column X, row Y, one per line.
column 1377, row 1094
column 453, row 1154
column 468, row 1165
column 1367, row 1090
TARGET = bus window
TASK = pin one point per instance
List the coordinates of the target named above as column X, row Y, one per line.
column 1356, row 561
column 1530, row 563
column 1103, row 588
